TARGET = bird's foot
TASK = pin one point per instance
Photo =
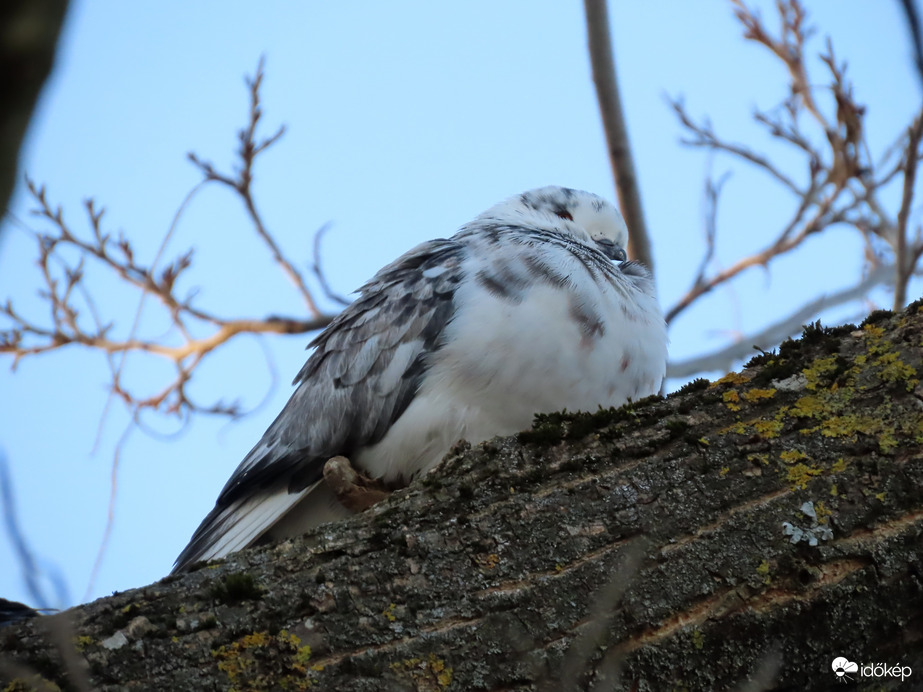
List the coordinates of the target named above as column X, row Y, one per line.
column 355, row 491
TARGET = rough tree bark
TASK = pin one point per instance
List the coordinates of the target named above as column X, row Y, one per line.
column 736, row 535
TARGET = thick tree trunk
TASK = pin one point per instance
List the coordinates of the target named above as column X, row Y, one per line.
column 740, row 534
column 29, row 31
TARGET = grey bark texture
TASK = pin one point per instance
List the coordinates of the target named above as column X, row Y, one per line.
column 736, row 535
column 29, row 32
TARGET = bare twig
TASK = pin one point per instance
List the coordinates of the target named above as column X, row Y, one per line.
column 788, row 47
column 69, row 302
column 591, row 634
column 116, row 369
column 110, row 512
column 784, row 243
column 704, row 136
column 602, row 62
column 75, row 318
column 60, row 630
column 724, row 358
column 31, row 574
column 843, row 182
column 241, row 184
column 317, row 268
column 907, row 256
column 712, row 193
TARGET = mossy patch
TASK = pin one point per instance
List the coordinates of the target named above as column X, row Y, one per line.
column 774, row 369
column 82, row 642
column 831, row 384
column 763, row 571
column 895, row 370
column 732, row 379
column 429, row 674
column 732, row 400
column 389, row 612
column 261, row 661
column 754, row 395
column 235, row 588
column 36, row 682
column 676, row 426
column 831, row 381
column 549, row 429
column 790, row 456
column 823, row 371
column 800, row 475
column 767, row 429
column 696, row 385
column 698, row 639
column 876, row 317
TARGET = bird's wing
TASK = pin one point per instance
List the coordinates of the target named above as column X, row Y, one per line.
column 364, row 371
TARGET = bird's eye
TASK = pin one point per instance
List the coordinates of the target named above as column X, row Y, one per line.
column 564, row 214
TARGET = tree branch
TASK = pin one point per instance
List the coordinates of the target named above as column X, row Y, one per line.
column 68, row 298
column 602, row 62
column 844, row 183
column 241, row 184
column 704, row 541
column 907, row 256
column 724, row 359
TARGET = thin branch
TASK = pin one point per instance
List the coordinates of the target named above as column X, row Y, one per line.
column 592, row 635
column 136, row 322
column 844, row 184
column 316, row 267
column 705, row 137
column 60, row 630
column 110, row 512
column 724, row 359
column 784, row 243
column 241, row 184
column 602, row 62
column 67, row 298
column 788, row 47
column 906, row 260
column 712, row 193
column 31, row 574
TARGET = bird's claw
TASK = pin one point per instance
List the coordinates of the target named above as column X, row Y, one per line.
column 355, row 491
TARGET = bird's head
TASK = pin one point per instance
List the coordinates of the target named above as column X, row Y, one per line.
column 579, row 213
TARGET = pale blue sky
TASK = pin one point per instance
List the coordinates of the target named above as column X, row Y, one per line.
column 405, row 119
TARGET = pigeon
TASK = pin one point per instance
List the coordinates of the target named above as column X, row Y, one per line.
column 530, row 308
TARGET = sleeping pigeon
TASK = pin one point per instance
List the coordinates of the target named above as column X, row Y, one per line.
column 530, row 308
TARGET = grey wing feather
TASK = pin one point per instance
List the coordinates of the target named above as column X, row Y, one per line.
column 366, row 368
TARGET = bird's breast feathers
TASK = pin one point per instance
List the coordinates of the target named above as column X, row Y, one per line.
column 536, row 328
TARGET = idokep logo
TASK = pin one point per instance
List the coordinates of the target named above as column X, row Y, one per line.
column 846, row 670
column 843, row 667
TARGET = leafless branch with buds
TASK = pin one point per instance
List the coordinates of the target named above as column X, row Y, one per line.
column 842, row 183
column 74, row 316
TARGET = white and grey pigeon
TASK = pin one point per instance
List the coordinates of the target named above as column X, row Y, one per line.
column 530, row 308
